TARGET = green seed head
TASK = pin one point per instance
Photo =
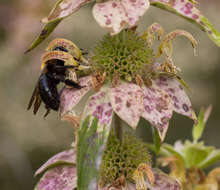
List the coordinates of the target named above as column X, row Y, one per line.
column 122, row 158
column 124, row 55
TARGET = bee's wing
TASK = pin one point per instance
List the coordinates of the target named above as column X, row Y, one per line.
column 35, row 97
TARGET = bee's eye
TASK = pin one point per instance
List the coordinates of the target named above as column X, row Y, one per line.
column 60, row 48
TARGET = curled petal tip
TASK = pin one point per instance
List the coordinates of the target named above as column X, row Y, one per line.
column 73, row 119
column 138, row 176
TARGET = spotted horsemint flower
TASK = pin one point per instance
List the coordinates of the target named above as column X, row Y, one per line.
column 123, row 167
column 124, row 83
column 127, row 82
column 116, row 15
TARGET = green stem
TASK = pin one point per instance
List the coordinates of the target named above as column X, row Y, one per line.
column 118, row 128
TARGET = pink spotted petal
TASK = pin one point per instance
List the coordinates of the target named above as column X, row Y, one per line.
column 157, row 108
column 163, row 181
column 188, row 10
column 99, row 106
column 65, row 8
column 65, row 157
column 135, row 9
column 115, row 15
column 58, row 178
column 179, row 98
column 183, row 7
column 127, row 102
column 70, row 97
column 110, row 15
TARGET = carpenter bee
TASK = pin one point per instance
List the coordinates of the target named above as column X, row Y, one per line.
column 56, row 64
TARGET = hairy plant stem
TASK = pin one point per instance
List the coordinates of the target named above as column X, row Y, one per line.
column 118, row 128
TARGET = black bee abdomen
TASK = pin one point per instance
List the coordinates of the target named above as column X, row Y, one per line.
column 48, row 92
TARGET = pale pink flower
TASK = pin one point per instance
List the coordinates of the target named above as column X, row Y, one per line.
column 60, row 174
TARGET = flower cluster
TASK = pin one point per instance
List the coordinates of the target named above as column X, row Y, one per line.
column 122, row 80
column 60, row 170
column 127, row 80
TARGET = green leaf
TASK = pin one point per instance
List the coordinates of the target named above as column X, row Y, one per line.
column 47, row 30
column 200, row 126
column 168, row 149
column 87, row 148
column 213, row 34
column 92, row 139
column 162, row 152
column 195, row 153
column 157, row 140
column 211, row 159
column 187, row 10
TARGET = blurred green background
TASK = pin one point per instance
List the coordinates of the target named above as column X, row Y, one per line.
column 27, row 141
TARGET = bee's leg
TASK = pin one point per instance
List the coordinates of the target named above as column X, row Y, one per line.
column 72, row 83
column 62, row 78
column 47, row 112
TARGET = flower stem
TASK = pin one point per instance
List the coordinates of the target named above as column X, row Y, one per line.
column 118, row 128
